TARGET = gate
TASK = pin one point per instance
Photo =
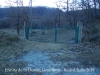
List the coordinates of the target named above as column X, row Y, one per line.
column 65, row 35
column 68, row 34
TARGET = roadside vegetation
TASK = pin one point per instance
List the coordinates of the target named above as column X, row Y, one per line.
column 11, row 47
column 90, row 55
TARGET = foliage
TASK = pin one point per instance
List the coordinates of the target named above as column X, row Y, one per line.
column 7, row 39
column 91, row 32
column 4, row 23
column 11, row 47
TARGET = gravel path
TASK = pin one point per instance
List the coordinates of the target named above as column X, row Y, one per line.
column 50, row 63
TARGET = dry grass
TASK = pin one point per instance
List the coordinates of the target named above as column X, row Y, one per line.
column 10, row 50
column 90, row 55
column 13, row 47
column 43, row 46
column 63, row 35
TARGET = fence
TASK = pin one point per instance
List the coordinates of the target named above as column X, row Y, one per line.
column 68, row 34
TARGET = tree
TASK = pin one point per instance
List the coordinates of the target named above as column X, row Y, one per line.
column 59, row 6
column 67, row 2
column 94, row 4
column 86, row 6
column 73, row 12
column 98, row 1
column 15, row 11
column 19, row 13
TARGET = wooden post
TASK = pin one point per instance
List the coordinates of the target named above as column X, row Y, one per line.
column 56, row 33
column 27, row 32
column 24, row 27
column 31, row 15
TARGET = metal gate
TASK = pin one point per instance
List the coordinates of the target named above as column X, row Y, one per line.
column 68, row 34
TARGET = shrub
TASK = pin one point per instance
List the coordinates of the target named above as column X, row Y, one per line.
column 7, row 39
column 12, row 38
column 91, row 32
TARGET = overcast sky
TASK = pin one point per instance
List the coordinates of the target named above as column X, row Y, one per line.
column 49, row 3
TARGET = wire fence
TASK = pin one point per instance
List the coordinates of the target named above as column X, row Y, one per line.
column 57, row 34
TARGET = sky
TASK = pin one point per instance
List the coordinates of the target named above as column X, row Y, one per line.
column 49, row 3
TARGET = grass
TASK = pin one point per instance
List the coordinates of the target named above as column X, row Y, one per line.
column 89, row 54
column 7, row 39
column 63, row 35
column 11, row 47
column 90, row 58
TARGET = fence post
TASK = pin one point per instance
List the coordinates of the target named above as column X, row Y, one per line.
column 77, row 33
column 27, row 32
column 56, row 33
column 24, row 29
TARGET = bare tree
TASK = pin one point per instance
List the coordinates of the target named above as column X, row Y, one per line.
column 19, row 13
column 14, row 12
column 94, row 1
column 98, row 1
column 59, row 6
column 67, row 8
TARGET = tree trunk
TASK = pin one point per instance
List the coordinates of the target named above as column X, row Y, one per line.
column 67, row 8
column 18, row 28
column 82, row 10
column 94, row 9
column 18, row 18
column 99, row 7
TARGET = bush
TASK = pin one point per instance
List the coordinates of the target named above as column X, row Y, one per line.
column 12, row 38
column 4, row 23
column 91, row 32
column 7, row 39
